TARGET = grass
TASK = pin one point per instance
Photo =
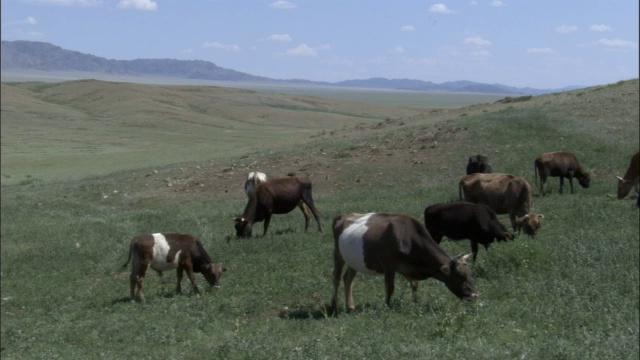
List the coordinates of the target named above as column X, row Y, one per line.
column 570, row 293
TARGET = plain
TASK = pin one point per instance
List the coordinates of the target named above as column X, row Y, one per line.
column 572, row 292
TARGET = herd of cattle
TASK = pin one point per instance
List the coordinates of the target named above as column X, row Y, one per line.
column 382, row 243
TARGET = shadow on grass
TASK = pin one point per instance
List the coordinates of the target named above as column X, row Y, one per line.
column 324, row 312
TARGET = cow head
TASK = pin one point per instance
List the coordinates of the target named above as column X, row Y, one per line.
column 457, row 278
column 529, row 223
column 243, row 227
column 624, row 186
column 212, row 273
column 584, row 180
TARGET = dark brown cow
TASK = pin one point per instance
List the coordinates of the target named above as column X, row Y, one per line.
column 478, row 164
column 386, row 244
column 276, row 196
column 168, row 251
column 464, row 220
column 630, row 178
column 504, row 194
column 560, row 164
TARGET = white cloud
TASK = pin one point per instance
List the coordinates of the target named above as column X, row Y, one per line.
column 408, row 28
column 440, row 9
column 565, row 29
column 147, row 5
column 497, row 3
column 477, row 40
column 302, row 50
column 398, row 50
column 280, row 38
column 28, row 21
column 617, row 43
column 473, row 3
column 217, row 45
column 600, row 27
column 539, row 51
column 282, row 4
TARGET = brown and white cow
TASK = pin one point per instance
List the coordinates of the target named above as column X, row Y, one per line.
column 386, row 244
column 560, row 164
column 504, row 194
column 276, row 196
column 478, row 164
column 254, row 179
column 464, row 220
column 168, row 251
column 630, row 178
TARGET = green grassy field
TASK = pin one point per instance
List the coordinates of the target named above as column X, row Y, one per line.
column 570, row 293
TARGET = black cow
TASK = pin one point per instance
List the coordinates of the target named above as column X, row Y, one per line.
column 464, row 220
column 478, row 164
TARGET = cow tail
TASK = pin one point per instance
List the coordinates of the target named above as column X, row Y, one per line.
column 128, row 257
column 460, row 192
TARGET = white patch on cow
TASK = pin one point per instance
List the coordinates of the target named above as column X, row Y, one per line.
column 351, row 244
column 160, row 250
column 253, row 180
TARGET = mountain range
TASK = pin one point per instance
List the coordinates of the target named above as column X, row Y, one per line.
column 31, row 55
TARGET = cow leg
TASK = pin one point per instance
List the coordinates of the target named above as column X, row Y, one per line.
column 179, row 280
column 338, row 263
column 192, row 277
column 267, row 219
column 571, row 183
column 561, row 184
column 414, row 289
column 305, row 212
column 348, row 287
column 543, row 180
column 389, row 277
column 306, row 198
column 474, row 249
column 514, row 226
column 138, row 272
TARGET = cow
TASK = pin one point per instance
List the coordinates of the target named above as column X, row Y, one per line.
column 386, row 244
column 630, row 178
column 560, row 164
column 464, row 220
column 254, row 179
column 478, row 164
column 168, row 251
column 276, row 196
column 504, row 194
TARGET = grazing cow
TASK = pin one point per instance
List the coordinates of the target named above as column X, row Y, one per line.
column 254, row 179
column 168, row 251
column 630, row 178
column 504, row 194
column 276, row 196
column 478, row 164
column 560, row 164
column 383, row 244
column 464, row 220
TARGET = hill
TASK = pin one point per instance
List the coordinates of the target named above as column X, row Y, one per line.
column 41, row 56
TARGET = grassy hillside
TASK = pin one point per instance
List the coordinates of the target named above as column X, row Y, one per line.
column 572, row 292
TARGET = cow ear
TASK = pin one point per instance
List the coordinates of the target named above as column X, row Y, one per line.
column 540, row 216
column 446, row 270
column 464, row 258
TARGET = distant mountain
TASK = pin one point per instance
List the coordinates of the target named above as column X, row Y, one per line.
column 30, row 55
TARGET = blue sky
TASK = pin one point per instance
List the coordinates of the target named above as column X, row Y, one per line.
column 536, row 43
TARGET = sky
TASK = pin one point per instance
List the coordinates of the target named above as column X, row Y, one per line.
column 544, row 44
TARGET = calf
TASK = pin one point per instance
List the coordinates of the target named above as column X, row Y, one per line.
column 560, row 164
column 478, row 164
column 276, row 196
column 386, row 244
column 463, row 220
column 504, row 194
column 630, row 178
column 168, row 251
